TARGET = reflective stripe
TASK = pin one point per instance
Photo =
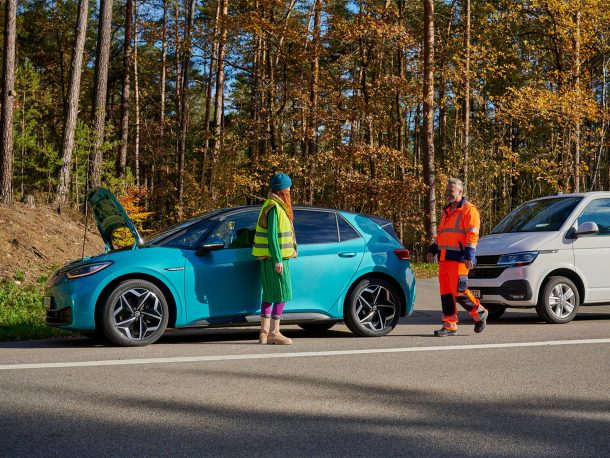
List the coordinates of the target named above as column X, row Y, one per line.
column 472, row 229
column 471, row 245
column 450, row 247
column 458, row 220
column 280, row 234
column 453, row 230
column 265, row 245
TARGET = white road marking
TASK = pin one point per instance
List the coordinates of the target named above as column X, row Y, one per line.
column 304, row 354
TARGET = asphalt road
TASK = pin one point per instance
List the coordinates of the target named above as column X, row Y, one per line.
column 521, row 388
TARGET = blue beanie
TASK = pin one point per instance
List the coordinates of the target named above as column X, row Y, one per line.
column 280, row 181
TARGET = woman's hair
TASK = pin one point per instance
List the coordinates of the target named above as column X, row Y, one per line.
column 284, row 194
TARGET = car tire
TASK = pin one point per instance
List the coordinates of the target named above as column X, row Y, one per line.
column 135, row 314
column 317, row 327
column 372, row 308
column 558, row 301
column 495, row 311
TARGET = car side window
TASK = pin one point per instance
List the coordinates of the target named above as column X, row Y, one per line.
column 313, row 226
column 237, row 230
column 188, row 237
column 346, row 231
column 598, row 212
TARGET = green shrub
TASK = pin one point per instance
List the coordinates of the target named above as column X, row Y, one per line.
column 22, row 315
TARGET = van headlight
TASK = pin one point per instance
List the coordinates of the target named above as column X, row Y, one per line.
column 87, row 269
column 517, row 259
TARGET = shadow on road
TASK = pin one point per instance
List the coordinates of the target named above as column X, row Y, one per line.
column 413, row 421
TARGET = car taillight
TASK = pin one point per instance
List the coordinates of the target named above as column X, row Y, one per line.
column 402, row 254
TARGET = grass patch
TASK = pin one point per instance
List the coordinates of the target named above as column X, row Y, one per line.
column 425, row 269
column 22, row 316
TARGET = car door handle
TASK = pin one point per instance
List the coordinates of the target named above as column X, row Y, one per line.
column 347, row 254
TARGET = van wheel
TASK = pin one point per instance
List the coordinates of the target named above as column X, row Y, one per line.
column 558, row 301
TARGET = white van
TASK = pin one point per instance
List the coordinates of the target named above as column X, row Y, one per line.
column 551, row 253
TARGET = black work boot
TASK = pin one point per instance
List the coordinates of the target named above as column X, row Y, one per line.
column 479, row 326
column 444, row 332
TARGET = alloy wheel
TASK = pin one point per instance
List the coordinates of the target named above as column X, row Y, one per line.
column 137, row 313
column 562, row 300
column 376, row 307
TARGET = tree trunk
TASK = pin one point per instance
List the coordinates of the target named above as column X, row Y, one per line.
column 178, row 57
column 577, row 127
column 185, row 102
column 442, row 96
column 8, row 99
column 208, row 96
column 73, row 99
column 122, row 159
column 163, row 76
column 219, row 96
column 312, row 123
column 101, row 89
column 428, row 125
column 136, row 150
column 466, row 112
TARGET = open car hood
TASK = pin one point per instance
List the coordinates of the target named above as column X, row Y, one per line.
column 110, row 216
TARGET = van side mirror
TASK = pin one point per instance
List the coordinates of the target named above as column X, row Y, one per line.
column 214, row 244
column 586, row 229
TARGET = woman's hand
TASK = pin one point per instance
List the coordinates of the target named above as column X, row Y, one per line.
column 279, row 268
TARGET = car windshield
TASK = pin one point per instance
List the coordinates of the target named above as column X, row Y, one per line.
column 544, row 215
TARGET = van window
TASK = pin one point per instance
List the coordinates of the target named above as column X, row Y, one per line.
column 598, row 212
column 544, row 215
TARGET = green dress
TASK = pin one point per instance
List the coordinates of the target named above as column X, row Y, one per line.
column 276, row 287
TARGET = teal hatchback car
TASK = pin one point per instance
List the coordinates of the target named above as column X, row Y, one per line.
column 201, row 273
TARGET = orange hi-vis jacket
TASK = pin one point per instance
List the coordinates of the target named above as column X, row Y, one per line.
column 458, row 233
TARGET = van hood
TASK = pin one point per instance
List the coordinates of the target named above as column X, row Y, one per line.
column 513, row 242
column 110, row 215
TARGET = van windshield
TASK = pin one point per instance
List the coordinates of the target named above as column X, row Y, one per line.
column 543, row 215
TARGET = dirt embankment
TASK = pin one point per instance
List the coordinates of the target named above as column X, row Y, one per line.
column 33, row 241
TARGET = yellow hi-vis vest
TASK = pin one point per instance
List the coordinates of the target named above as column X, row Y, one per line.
column 260, row 248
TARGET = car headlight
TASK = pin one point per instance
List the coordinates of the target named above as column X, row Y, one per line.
column 517, row 259
column 87, row 269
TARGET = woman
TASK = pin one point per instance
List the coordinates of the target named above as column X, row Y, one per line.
column 274, row 245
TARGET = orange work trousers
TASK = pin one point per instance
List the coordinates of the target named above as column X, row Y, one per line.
column 453, row 279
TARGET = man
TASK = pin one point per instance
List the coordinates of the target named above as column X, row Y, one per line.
column 455, row 244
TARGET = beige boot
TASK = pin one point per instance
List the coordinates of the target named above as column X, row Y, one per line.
column 262, row 338
column 275, row 337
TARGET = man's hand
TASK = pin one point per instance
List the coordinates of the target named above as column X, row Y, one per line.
column 468, row 263
column 430, row 257
column 279, row 268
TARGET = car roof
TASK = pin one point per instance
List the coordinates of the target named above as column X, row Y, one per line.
column 577, row 194
column 230, row 210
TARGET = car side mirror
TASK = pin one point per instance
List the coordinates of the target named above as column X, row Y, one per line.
column 586, row 229
column 214, row 244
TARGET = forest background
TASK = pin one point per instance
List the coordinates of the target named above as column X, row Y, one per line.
column 181, row 107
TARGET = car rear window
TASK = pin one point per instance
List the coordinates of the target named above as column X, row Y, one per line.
column 346, row 231
column 387, row 226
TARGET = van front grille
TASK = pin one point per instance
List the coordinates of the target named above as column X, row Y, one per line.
column 486, row 272
column 488, row 260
